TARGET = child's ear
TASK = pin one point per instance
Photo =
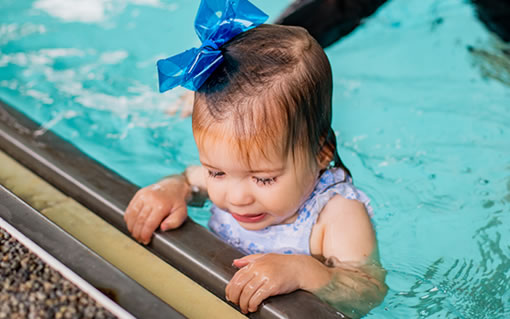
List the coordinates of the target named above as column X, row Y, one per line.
column 324, row 158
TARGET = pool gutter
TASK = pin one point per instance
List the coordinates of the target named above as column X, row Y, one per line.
column 191, row 248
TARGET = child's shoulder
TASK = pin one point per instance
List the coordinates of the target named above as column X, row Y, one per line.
column 344, row 212
column 343, row 230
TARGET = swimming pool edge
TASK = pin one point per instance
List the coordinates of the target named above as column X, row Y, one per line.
column 191, row 248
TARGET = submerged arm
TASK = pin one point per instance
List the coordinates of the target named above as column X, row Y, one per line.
column 353, row 289
column 349, row 247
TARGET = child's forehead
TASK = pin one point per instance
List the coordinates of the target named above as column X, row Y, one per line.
column 218, row 148
column 224, row 152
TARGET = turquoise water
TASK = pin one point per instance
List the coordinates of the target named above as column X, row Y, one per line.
column 422, row 125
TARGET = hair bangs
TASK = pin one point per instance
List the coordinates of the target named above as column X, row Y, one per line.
column 255, row 128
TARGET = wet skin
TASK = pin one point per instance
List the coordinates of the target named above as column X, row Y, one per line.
column 267, row 191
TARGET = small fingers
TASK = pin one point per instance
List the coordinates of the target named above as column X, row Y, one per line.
column 249, row 290
column 132, row 211
column 140, row 221
column 246, row 260
column 262, row 293
column 236, row 284
column 176, row 218
column 151, row 223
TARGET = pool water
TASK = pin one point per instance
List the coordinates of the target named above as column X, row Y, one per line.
column 421, row 123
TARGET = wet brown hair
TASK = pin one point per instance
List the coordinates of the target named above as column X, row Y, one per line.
column 273, row 91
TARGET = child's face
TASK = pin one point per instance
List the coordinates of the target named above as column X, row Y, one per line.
column 267, row 193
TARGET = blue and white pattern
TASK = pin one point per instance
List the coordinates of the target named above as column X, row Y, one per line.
column 288, row 238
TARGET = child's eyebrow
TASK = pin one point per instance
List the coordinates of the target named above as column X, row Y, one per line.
column 269, row 170
column 207, row 165
column 266, row 170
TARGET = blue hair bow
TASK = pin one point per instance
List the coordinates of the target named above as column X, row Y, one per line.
column 217, row 22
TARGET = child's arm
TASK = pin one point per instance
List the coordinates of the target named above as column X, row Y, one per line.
column 351, row 280
column 350, row 248
column 164, row 204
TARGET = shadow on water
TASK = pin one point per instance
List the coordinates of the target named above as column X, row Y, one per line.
column 494, row 61
column 330, row 20
column 495, row 14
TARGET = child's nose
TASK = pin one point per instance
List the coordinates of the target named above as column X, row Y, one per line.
column 239, row 195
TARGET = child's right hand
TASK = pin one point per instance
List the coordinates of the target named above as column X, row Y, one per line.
column 161, row 204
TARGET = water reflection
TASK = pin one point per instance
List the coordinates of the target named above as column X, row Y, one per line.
column 463, row 288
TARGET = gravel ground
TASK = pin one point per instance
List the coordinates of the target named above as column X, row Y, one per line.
column 31, row 289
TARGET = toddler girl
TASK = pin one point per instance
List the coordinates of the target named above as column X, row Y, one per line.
column 262, row 124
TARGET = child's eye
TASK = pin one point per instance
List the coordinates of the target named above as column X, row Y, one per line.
column 214, row 174
column 264, row 181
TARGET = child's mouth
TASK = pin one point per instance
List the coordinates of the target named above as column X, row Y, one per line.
column 249, row 218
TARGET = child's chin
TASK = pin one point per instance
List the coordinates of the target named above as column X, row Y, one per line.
column 254, row 226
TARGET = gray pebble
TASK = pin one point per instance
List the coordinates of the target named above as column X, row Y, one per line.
column 31, row 289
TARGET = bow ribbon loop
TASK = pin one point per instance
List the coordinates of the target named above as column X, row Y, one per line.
column 209, row 45
column 216, row 23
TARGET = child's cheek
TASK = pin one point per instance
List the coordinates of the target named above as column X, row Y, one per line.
column 216, row 194
column 273, row 198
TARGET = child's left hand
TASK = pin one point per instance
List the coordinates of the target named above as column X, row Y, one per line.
column 262, row 276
